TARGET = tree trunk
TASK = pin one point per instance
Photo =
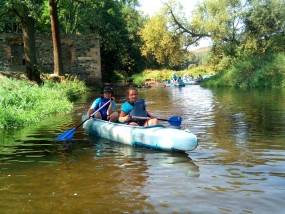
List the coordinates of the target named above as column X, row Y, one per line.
column 58, row 66
column 28, row 28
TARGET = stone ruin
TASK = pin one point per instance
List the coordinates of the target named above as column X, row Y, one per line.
column 80, row 55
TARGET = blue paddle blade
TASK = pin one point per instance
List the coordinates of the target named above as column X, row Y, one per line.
column 175, row 120
column 66, row 135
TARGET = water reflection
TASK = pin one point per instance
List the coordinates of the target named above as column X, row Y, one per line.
column 95, row 176
column 238, row 166
column 158, row 171
column 252, row 113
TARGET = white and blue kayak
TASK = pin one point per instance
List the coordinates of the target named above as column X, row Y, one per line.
column 179, row 84
column 153, row 137
column 190, row 82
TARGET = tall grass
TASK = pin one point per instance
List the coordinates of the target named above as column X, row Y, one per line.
column 22, row 102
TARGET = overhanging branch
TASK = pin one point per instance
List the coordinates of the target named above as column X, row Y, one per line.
column 196, row 36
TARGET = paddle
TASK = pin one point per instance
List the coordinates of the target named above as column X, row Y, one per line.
column 69, row 133
column 174, row 120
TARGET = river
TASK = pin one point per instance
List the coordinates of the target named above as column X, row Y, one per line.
column 238, row 166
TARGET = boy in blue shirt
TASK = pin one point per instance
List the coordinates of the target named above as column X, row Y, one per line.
column 108, row 112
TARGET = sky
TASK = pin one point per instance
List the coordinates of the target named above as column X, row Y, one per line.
column 150, row 7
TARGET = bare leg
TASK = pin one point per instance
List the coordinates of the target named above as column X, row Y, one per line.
column 133, row 124
column 97, row 115
column 151, row 122
column 114, row 117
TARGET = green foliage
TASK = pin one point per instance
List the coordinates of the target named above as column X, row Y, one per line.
column 23, row 103
column 264, row 27
column 71, row 88
column 203, row 70
column 131, row 43
column 116, row 23
column 162, row 75
column 138, row 80
column 161, row 43
column 156, row 75
column 120, row 77
column 120, row 50
column 201, row 56
column 266, row 71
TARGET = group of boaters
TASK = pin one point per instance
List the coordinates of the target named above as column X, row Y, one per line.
column 133, row 111
column 187, row 78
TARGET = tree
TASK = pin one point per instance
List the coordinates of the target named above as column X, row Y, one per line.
column 25, row 11
column 58, row 66
column 264, row 27
column 161, row 43
column 116, row 23
column 9, row 23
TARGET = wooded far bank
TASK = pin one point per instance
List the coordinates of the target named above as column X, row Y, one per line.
column 247, row 37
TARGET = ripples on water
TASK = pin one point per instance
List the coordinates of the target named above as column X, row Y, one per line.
column 238, row 166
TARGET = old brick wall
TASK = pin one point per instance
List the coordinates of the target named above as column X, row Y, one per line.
column 80, row 54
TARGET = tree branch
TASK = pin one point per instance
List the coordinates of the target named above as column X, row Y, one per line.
column 14, row 10
column 185, row 30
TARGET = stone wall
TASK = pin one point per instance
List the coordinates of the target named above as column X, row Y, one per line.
column 80, row 54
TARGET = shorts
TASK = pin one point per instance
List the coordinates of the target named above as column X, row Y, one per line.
column 139, row 122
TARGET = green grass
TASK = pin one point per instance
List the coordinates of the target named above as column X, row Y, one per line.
column 22, row 102
column 267, row 71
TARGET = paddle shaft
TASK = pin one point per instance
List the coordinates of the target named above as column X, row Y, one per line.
column 146, row 118
column 174, row 120
column 93, row 114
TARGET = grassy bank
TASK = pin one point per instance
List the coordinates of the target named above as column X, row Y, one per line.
column 22, row 102
column 267, row 71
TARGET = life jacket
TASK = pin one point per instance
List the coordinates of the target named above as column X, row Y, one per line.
column 138, row 110
column 180, row 80
column 103, row 111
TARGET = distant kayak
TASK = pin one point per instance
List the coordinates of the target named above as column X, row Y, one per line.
column 190, row 82
column 171, row 83
column 180, row 84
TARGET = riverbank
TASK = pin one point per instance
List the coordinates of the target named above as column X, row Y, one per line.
column 23, row 102
column 264, row 71
column 150, row 77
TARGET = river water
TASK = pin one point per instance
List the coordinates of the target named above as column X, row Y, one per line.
column 238, row 166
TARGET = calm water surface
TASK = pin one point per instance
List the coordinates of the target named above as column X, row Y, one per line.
column 238, row 166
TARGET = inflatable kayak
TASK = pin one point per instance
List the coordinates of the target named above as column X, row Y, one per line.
column 153, row 137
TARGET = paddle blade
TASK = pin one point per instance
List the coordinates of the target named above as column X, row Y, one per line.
column 175, row 120
column 66, row 135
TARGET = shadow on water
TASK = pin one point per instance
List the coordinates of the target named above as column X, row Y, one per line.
column 35, row 141
column 88, row 175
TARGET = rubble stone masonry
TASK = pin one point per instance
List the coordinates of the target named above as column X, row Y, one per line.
column 80, row 55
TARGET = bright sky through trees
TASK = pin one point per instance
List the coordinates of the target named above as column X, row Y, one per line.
column 150, row 7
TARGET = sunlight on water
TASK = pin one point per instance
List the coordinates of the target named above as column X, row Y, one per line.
column 238, row 166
